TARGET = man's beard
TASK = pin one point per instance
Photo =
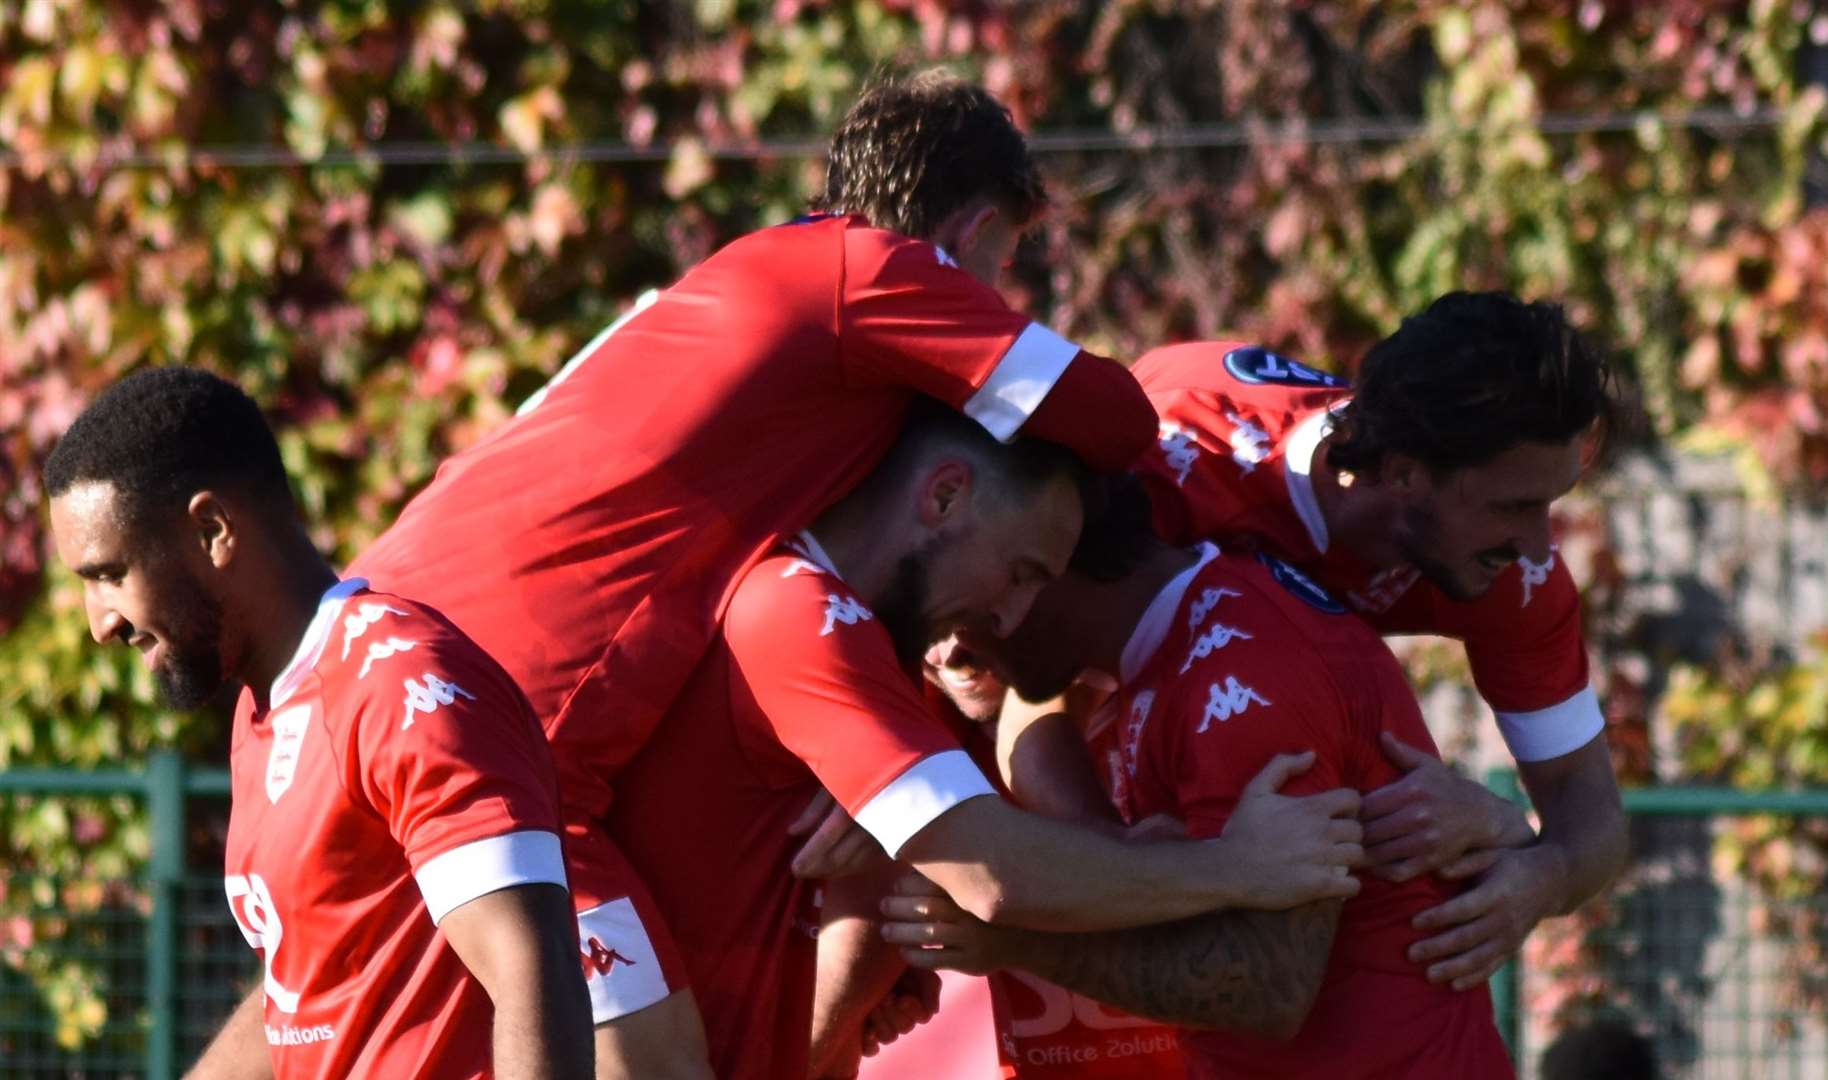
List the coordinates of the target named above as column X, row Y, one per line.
column 191, row 674
column 902, row 607
column 1418, row 542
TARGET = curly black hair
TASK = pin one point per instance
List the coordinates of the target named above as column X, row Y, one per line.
column 162, row 434
column 911, row 151
column 1473, row 375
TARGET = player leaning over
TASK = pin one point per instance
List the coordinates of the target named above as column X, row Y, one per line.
column 1420, row 496
column 393, row 848
column 812, row 683
column 590, row 545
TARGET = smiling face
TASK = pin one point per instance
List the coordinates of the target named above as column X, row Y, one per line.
column 966, row 679
column 981, row 566
column 1464, row 528
column 140, row 591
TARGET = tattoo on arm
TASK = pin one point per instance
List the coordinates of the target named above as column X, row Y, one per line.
column 1250, row 971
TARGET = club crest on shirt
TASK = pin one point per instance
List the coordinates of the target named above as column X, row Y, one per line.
column 289, row 727
column 1255, row 364
column 1305, row 588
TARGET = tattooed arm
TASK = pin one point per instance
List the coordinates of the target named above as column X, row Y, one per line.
column 1248, row 971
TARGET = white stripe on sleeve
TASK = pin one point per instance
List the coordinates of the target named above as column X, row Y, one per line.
column 910, row 802
column 1554, row 731
column 1020, row 381
column 455, row 877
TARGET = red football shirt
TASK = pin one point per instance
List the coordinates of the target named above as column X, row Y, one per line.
column 395, row 774
column 1239, row 428
column 801, row 690
column 1239, row 660
column 589, row 545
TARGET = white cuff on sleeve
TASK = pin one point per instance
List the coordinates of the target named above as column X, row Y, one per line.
column 1554, row 731
column 1020, row 380
column 910, row 802
column 457, row 876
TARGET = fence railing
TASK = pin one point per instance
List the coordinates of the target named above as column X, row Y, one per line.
column 167, row 1017
column 1694, row 957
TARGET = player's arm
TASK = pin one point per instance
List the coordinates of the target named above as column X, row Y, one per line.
column 1043, row 759
column 1582, row 845
column 239, row 1050
column 521, row 945
column 1248, row 971
column 837, row 698
column 908, row 318
column 856, row 968
column 445, row 749
column 1515, row 652
column 1012, row 868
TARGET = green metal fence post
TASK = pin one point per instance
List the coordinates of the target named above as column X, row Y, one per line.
column 165, row 799
column 1506, row 985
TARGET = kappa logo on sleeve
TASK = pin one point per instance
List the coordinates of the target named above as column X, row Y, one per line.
column 427, row 697
column 1534, row 573
column 1202, row 607
column 1226, row 701
column 1257, row 365
column 1216, row 637
column 843, row 609
column 381, row 650
column 357, row 622
column 1249, row 443
column 1304, row 587
column 1179, row 451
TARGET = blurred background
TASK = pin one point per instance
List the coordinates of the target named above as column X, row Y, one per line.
column 391, row 221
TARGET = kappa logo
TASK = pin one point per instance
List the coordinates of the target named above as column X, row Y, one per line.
column 429, row 696
column 1301, row 585
column 1227, row 701
column 1249, row 443
column 381, row 650
column 1131, row 742
column 1196, row 614
column 843, row 609
column 364, row 616
column 1255, row 364
column 1216, row 637
column 289, row 726
column 602, row 959
column 1535, row 574
column 1180, row 452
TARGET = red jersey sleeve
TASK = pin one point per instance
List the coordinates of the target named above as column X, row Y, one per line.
column 1527, row 652
column 445, row 749
column 909, row 316
column 822, row 677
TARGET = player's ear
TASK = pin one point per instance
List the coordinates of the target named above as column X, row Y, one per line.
column 944, row 493
column 971, row 230
column 963, row 228
column 215, row 527
column 1405, row 476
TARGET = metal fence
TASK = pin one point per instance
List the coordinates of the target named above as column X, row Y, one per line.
column 1695, row 961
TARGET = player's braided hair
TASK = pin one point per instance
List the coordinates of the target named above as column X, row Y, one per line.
column 162, row 434
column 913, row 150
column 1470, row 377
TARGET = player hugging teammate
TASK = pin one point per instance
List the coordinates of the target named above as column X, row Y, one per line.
column 571, row 713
